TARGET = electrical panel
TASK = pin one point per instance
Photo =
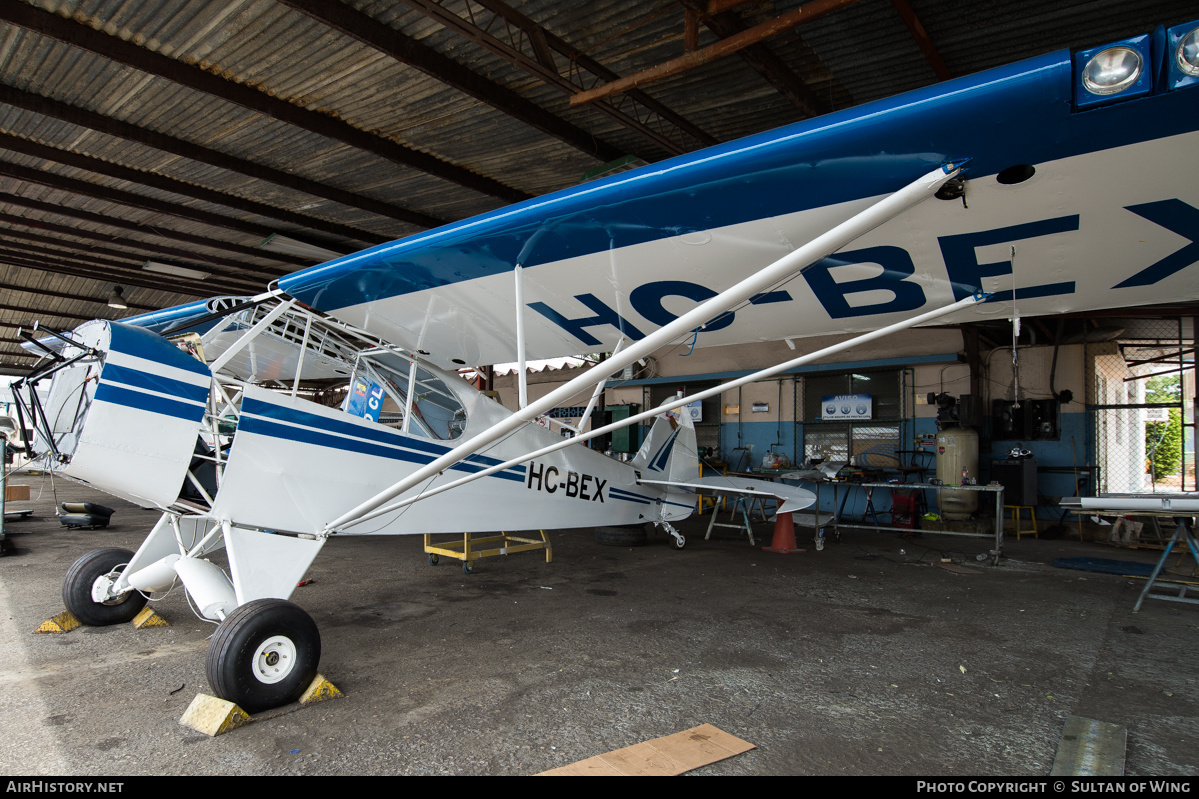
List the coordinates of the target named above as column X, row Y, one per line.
column 1030, row 420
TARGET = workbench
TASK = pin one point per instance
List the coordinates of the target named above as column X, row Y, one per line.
column 1180, row 507
column 869, row 488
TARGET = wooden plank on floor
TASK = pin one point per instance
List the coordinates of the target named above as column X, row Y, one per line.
column 668, row 756
column 1090, row 748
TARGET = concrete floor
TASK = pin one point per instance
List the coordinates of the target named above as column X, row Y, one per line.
column 864, row 658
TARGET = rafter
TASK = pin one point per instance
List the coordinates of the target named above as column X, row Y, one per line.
column 45, row 106
column 66, row 236
column 722, row 48
column 403, row 48
column 916, row 28
column 521, row 41
column 759, row 57
column 69, row 296
column 155, row 181
column 150, row 230
column 77, row 34
column 37, row 312
column 76, row 186
column 70, row 248
column 16, row 254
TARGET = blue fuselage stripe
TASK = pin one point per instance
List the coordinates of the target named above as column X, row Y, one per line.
column 381, row 435
column 136, row 378
column 616, row 493
column 398, row 450
column 107, row 392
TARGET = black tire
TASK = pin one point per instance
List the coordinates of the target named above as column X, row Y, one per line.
column 77, row 589
column 678, row 543
column 241, row 651
column 629, row 536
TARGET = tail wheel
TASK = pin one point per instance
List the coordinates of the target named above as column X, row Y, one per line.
column 264, row 655
column 88, row 577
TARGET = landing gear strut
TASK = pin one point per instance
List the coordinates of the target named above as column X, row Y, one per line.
column 678, row 541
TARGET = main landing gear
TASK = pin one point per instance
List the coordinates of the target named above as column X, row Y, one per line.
column 264, row 654
column 86, row 594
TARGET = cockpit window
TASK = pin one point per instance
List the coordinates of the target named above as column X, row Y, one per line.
column 380, row 391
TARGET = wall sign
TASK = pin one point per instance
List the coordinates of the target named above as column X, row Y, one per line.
column 851, row 407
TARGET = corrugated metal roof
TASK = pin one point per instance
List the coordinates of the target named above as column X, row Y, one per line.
column 852, row 55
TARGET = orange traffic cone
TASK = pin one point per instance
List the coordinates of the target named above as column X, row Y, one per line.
column 784, row 535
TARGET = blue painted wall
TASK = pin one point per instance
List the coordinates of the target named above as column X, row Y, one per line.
column 1064, row 453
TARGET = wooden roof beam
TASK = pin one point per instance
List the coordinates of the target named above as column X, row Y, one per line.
column 722, row 48
column 761, row 59
column 637, row 111
column 908, row 15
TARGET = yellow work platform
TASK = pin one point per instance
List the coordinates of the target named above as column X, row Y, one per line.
column 468, row 550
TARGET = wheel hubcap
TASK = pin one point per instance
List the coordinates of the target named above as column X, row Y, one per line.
column 102, row 590
column 274, row 659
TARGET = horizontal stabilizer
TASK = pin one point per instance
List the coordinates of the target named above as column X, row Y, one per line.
column 792, row 498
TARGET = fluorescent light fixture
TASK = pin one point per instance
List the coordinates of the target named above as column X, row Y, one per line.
column 302, row 249
column 117, row 299
column 177, row 271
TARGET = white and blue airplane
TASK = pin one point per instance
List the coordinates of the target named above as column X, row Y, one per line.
column 1063, row 183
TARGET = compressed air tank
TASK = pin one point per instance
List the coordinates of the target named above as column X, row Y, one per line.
column 957, row 456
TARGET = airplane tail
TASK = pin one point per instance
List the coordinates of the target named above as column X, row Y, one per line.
column 669, row 452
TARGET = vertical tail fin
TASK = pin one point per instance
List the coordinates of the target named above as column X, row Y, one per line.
column 669, row 452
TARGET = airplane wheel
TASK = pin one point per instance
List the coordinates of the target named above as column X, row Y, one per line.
column 85, row 573
column 678, row 543
column 264, row 654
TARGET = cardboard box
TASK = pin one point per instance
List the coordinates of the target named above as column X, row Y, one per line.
column 16, row 493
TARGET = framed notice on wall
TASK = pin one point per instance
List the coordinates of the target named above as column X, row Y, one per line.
column 846, row 407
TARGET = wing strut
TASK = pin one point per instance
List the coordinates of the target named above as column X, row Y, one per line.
column 680, row 402
column 522, row 377
column 781, row 270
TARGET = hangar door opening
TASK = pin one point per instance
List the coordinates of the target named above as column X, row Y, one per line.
column 1141, row 404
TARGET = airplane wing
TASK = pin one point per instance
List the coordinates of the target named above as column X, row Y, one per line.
column 791, row 498
column 1072, row 202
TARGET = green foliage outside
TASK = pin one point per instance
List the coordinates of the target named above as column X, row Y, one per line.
column 1163, row 440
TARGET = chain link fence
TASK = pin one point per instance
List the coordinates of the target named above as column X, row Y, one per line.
column 1135, row 408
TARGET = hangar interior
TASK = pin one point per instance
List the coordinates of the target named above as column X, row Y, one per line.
column 172, row 152
column 1083, row 394
column 154, row 154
